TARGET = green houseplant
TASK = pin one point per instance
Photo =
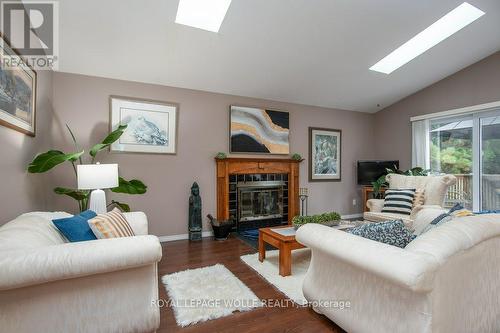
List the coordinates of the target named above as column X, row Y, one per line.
column 329, row 219
column 52, row 158
column 221, row 156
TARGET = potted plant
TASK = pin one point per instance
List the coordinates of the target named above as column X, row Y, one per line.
column 52, row 158
column 221, row 156
column 328, row 219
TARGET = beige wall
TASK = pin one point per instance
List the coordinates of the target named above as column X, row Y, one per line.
column 476, row 84
column 21, row 192
column 82, row 102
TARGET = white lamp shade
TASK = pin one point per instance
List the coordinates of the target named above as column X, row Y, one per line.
column 97, row 176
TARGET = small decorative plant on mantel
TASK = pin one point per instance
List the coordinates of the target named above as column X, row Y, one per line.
column 328, row 219
column 52, row 158
column 221, row 156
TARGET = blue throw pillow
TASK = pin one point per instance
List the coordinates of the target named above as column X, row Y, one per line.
column 76, row 228
column 390, row 232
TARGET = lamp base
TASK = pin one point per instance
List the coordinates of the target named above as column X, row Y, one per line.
column 98, row 201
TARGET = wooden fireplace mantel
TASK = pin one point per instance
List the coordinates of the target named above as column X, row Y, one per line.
column 239, row 166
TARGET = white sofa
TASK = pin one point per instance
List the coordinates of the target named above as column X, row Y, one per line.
column 435, row 189
column 49, row 285
column 446, row 280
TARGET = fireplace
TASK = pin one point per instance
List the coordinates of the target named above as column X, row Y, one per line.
column 260, row 200
column 257, row 192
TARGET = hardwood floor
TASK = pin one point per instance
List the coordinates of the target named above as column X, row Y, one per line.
column 181, row 255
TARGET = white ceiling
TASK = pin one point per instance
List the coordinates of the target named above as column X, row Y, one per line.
column 314, row 52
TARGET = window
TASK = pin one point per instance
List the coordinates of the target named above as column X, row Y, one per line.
column 450, row 145
column 467, row 146
column 490, row 162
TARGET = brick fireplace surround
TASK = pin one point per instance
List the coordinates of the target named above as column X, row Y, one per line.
column 247, row 166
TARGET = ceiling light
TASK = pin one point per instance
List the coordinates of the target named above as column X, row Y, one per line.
column 202, row 14
column 443, row 28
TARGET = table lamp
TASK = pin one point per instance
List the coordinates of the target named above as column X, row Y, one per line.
column 97, row 177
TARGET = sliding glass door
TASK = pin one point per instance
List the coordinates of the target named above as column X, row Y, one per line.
column 451, row 152
column 490, row 162
column 469, row 148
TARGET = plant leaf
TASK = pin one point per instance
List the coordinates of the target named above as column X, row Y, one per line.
column 133, row 186
column 46, row 161
column 77, row 148
column 75, row 194
column 123, row 206
column 112, row 137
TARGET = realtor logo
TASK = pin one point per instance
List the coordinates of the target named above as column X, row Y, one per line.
column 31, row 27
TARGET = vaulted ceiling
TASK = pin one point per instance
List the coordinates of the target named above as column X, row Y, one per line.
column 315, row 52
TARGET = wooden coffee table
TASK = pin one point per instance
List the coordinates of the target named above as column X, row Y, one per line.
column 285, row 244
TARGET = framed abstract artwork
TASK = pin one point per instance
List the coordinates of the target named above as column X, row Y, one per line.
column 151, row 125
column 17, row 91
column 259, row 131
column 324, row 154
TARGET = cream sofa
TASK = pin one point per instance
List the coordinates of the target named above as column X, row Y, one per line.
column 435, row 189
column 446, row 280
column 49, row 285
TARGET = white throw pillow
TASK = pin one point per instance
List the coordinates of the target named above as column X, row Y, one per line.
column 424, row 216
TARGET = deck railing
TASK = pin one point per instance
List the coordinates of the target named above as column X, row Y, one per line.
column 461, row 192
column 490, row 194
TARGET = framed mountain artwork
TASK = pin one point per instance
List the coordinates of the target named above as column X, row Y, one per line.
column 17, row 91
column 324, row 154
column 151, row 125
column 259, row 131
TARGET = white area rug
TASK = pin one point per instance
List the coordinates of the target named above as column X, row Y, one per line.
column 290, row 285
column 207, row 293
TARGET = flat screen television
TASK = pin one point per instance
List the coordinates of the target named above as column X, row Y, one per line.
column 370, row 171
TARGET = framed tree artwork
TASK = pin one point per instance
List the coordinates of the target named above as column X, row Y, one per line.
column 325, row 161
column 17, row 91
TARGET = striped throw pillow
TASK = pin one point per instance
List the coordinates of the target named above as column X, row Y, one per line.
column 111, row 225
column 398, row 201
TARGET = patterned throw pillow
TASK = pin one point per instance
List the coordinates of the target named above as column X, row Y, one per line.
column 111, row 225
column 419, row 198
column 390, row 232
column 398, row 201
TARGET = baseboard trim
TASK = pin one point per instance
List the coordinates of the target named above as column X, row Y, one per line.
column 352, row 216
column 182, row 236
column 204, row 234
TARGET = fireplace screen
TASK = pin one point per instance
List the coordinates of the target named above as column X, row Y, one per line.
column 260, row 200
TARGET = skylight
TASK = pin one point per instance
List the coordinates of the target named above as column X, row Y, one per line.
column 202, row 14
column 443, row 28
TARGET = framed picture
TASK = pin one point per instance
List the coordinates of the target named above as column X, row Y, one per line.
column 324, row 154
column 152, row 125
column 17, row 91
column 259, row 131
